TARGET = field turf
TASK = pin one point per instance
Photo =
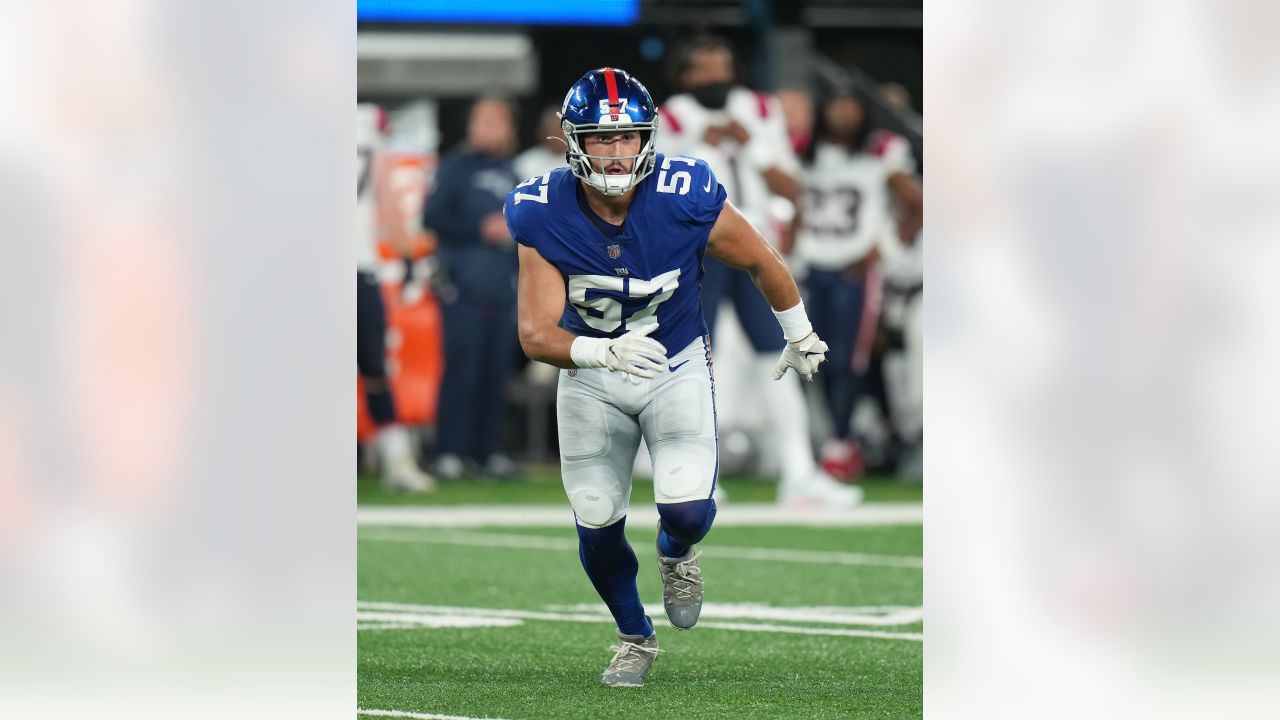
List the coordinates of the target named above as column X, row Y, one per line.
column 494, row 622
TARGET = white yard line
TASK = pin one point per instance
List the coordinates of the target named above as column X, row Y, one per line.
column 384, row 609
column 362, row 712
column 881, row 616
column 732, row 514
column 538, row 542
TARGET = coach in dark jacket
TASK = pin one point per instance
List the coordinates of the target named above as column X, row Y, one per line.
column 478, row 296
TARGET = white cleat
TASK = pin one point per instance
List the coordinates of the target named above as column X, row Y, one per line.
column 820, row 492
column 406, row 477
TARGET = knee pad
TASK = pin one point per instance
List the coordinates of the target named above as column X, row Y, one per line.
column 596, row 508
column 688, row 522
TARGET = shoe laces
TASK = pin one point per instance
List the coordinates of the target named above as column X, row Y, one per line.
column 631, row 656
column 688, row 577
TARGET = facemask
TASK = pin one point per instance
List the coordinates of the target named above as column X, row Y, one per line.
column 713, row 96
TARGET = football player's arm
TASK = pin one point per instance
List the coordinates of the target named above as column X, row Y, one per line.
column 770, row 151
column 908, row 192
column 541, row 301
column 736, row 243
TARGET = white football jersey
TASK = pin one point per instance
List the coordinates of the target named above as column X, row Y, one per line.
column 739, row 168
column 368, row 144
column 847, row 205
column 537, row 161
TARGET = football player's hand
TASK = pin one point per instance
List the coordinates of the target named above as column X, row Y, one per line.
column 803, row 356
column 714, row 135
column 738, row 132
column 493, row 229
column 636, row 354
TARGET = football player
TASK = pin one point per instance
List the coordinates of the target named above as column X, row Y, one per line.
column 855, row 248
column 396, row 457
column 742, row 135
column 611, row 255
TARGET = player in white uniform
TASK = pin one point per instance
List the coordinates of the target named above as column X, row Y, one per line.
column 400, row 471
column 852, row 240
column 742, row 136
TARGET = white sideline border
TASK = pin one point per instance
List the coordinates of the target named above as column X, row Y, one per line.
column 731, row 515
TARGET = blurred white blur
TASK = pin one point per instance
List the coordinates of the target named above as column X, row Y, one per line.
column 176, row 534
column 1101, row 362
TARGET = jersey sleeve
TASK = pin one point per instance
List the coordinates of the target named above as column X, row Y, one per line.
column 894, row 151
column 769, row 145
column 702, row 204
column 519, row 209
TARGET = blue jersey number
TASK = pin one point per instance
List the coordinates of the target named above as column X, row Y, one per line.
column 604, row 311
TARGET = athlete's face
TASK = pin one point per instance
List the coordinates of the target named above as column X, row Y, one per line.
column 709, row 67
column 844, row 117
column 606, row 146
column 490, row 128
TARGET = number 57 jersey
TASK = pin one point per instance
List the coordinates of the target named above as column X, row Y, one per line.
column 648, row 273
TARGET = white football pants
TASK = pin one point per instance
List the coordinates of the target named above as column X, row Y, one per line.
column 601, row 417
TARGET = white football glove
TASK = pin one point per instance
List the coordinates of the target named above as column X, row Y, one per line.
column 636, row 354
column 803, row 356
column 632, row 353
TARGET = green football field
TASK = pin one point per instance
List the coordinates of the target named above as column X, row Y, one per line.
column 501, row 622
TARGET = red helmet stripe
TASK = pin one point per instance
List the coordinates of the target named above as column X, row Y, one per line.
column 611, row 83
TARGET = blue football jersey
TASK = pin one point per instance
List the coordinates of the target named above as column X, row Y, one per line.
column 649, row 274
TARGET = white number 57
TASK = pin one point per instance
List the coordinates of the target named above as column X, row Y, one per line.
column 680, row 180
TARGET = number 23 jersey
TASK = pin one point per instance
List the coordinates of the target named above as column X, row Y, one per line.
column 649, row 275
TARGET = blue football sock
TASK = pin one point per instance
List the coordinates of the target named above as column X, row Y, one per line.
column 684, row 524
column 671, row 547
column 611, row 565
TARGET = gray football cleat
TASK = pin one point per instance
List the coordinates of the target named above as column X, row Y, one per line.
column 681, row 588
column 633, row 656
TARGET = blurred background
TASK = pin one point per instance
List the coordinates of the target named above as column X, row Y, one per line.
column 422, row 67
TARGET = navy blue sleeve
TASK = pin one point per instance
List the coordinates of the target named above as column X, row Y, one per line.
column 511, row 211
column 520, row 208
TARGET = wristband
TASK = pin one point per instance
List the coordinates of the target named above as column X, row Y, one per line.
column 588, row 352
column 795, row 322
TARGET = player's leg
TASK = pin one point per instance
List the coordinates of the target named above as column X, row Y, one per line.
column 802, row 482
column 679, row 425
column 396, row 456
column 836, row 314
column 598, row 444
column 904, row 373
column 498, row 361
column 463, row 354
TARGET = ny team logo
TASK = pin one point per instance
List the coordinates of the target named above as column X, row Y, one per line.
column 615, row 252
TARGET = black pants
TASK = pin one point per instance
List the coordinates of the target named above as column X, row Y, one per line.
column 371, row 348
column 479, row 349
